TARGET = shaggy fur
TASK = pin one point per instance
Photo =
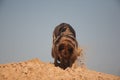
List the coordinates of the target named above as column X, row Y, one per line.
column 65, row 46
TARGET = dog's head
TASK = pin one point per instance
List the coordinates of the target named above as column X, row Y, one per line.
column 66, row 50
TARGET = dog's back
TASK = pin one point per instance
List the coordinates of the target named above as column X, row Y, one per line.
column 63, row 29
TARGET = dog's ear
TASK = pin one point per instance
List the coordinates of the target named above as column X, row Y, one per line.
column 80, row 52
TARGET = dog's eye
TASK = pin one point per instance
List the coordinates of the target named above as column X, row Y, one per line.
column 61, row 47
column 70, row 50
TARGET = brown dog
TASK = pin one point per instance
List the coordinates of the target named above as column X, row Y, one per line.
column 65, row 46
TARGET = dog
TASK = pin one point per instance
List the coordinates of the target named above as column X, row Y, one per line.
column 65, row 48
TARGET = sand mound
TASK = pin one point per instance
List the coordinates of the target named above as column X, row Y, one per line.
column 37, row 70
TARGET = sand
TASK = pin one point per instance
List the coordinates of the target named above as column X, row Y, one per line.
column 37, row 70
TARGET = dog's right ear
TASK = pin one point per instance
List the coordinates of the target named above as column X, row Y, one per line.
column 79, row 51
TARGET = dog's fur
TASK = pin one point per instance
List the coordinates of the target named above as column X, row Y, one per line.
column 65, row 46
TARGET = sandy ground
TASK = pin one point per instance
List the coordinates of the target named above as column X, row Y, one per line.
column 37, row 70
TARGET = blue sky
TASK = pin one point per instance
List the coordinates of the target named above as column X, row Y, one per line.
column 26, row 28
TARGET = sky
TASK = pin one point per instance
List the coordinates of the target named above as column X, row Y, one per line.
column 26, row 28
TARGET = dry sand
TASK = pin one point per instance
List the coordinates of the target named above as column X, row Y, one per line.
column 36, row 70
